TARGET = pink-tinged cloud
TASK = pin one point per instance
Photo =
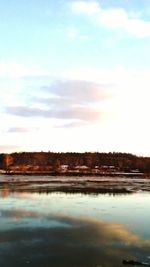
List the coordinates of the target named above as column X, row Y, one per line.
column 68, row 99
column 21, row 130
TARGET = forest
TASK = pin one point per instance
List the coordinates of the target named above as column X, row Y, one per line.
column 50, row 161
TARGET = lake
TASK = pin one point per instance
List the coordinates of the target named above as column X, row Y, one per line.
column 41, row 229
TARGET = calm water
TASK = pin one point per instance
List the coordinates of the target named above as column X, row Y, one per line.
column 73, row 230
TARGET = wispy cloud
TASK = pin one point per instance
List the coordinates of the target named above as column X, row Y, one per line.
column 79, row 91
column 77, row 113
column 113, row 18
column 21, row 130
column 79, row 101
column 73, row 124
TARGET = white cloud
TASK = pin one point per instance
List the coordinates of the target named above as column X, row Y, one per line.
column 139, row 28
column 87, row 8
column 113, row 18
column 119, row 19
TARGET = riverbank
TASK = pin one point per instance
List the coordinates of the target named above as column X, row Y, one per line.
column 76, row 174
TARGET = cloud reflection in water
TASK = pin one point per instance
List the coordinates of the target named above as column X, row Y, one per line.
column 68, row 241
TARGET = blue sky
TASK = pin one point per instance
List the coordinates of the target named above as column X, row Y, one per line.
column 75, row 75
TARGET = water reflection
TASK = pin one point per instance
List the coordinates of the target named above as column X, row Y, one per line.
column 66, row 241
column 4, row 191
column 24, row 187
column 72, row 230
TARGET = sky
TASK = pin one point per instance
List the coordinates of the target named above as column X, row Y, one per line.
column 75, row 76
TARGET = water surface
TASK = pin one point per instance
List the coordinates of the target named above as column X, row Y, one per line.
column 73, row 230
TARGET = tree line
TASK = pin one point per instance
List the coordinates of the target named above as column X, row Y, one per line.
column 121, row 161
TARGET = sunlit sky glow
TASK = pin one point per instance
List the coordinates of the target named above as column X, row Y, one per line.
column 75, row 76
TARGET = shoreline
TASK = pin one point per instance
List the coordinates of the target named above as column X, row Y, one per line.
column 69, row 174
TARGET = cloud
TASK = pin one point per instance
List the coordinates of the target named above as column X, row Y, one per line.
column 113, row 18
column 79, row 91
column 87, row 8
column 68, row 99
column 24, row 111
column 119, row 19
column 66, row 241
column 20, row 130
column 77, row 113
column 73, row 124
column 99, row 231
